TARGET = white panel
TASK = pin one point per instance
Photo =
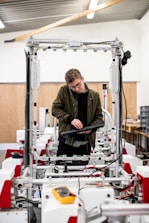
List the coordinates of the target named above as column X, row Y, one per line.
column 17, row 216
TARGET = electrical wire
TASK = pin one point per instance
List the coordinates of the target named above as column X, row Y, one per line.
column 20, row 199
column 105, row 167
column 120, row 189
column 128, row 190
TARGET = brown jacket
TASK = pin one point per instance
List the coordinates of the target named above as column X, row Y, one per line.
column 66, row 105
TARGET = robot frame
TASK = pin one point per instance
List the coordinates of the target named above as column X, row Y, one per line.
column 108, row 186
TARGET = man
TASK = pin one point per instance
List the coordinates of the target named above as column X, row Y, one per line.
column 76, row 106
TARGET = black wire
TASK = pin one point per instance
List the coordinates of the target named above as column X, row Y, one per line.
column 120, row 106
column 20, row 199
column 103, row 168
column 120, row 189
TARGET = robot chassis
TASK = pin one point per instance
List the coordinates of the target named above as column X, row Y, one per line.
column 107, row 186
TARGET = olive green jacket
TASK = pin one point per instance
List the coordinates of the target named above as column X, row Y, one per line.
column 66, row 105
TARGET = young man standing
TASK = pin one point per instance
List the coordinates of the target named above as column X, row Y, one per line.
column 76, row 106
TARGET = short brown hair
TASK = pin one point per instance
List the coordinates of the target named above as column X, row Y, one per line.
column 71, row 75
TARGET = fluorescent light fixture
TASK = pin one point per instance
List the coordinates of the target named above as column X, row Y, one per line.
column 93, row 4
column 1, row 24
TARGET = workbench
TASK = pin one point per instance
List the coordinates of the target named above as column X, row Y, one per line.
column 140, row 133
column 128, row 131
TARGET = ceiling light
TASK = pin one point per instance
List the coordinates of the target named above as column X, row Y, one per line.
column 1, row 24
column 93, row 4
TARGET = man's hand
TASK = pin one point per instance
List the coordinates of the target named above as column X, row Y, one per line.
column 85, row 132
column 77, row 123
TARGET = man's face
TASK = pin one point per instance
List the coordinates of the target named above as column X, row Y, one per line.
column 77, row 85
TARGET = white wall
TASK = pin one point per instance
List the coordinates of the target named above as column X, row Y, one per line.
column 143, row 86
column 94, row 66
